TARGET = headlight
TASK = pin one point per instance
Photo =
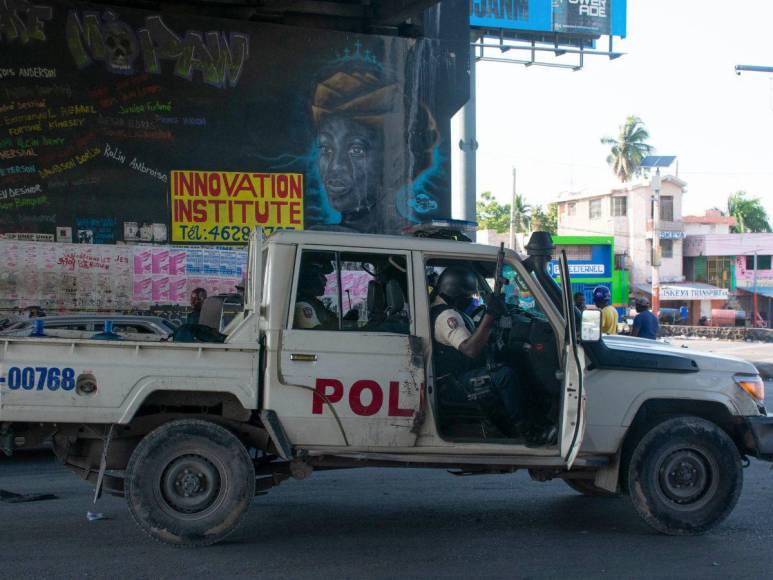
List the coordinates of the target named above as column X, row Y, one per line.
column 752, row 384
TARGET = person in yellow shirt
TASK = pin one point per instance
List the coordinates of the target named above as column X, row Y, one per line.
column 602, row 298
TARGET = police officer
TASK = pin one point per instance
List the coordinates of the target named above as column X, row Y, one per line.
column 310, row 311
column 602, row 298
column 459, row 352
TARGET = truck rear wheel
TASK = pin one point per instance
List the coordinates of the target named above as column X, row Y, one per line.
column 685, row 476
column 189, row 483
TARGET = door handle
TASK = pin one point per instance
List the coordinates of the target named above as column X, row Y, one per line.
column 303, row 357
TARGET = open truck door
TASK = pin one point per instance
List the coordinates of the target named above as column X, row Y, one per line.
column 573, row 400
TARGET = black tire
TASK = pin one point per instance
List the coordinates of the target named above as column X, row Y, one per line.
column 586, row 487
column 189, row 483
column 685, row 476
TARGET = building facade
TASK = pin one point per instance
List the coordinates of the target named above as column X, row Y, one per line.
column 728, row 261
column 627, row 215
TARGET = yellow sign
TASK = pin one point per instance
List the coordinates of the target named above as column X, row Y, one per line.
column 224, row 206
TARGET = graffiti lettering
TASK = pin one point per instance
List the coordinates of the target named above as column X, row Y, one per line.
column 142, row 168
column 11, row 192
column 20, row 20
column 37, row 72
column 218, row 57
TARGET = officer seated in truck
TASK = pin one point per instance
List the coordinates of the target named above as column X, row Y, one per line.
column 463, row 373
column 310, row 310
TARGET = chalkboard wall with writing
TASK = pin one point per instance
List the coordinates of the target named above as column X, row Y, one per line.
column 260, row 124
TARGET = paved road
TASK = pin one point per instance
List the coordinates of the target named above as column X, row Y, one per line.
column 377, row 523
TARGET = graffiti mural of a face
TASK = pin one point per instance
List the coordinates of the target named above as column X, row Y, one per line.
column 350, row 161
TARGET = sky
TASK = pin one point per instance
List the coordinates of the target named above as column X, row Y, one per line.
column 677, row 75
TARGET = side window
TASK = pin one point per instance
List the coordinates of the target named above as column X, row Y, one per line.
column 373, row 294
column 317, row 298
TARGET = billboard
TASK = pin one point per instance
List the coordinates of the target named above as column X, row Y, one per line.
column 578, row 17
column 125, row 125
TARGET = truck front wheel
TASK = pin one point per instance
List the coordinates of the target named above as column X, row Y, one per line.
column 685, row 476
column 189, row 483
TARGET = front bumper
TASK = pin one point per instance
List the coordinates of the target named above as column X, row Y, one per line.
column 759, row 436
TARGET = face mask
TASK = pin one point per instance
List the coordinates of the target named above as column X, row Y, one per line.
column 462, row 302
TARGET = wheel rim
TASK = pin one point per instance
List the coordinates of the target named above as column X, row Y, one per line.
column 190, row 485
column 687, row 478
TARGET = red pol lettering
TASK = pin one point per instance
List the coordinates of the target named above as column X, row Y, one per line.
column 331, row 391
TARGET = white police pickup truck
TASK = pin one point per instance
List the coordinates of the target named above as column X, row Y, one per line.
column 331, row 366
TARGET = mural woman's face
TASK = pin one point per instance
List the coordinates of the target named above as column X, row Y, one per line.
column 350, row 159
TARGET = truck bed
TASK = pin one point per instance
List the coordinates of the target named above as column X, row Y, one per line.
column 49, row 380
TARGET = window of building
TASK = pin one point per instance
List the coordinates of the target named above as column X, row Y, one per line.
column 620, row 263
column 619, row 206
column 571, row 208
column 719, row 271
column 667, row 208
column 352, row 291
column 594, row 209
column 576, row 252
column 667, row 248
column 763, row 262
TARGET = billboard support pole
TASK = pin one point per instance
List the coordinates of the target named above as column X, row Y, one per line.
column 468, row 144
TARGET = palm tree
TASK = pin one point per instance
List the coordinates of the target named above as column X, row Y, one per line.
column 521, row 214
column 628, row 149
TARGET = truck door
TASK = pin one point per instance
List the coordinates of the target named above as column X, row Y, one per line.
column 350, row 372
column 573, row 401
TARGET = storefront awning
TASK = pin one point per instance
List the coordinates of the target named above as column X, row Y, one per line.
column 686, row 291
column 766, row 292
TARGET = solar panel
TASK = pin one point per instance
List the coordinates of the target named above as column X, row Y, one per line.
column 657, row 160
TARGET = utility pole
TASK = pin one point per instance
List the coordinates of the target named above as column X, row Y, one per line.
column 512, row 215
column 655, row 258
column 754, row 289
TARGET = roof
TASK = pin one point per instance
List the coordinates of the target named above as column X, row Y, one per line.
column 355, row 241
column 762, row 291
column 644, row 183
column 709, row 219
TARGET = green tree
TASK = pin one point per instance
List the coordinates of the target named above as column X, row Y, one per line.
column 491, row 214
column 749, row 213
column 628, row 149
column 545, row 221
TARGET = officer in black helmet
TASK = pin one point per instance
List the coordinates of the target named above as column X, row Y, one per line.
column 310, row 311
column 459, row 352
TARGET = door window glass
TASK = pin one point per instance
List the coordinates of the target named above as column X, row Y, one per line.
column 373, row 293
column 316, row 300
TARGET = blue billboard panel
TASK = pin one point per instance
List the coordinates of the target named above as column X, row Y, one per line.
column 535, row 15
column 585, row 17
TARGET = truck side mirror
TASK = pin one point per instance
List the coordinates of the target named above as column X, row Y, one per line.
column 590, row 327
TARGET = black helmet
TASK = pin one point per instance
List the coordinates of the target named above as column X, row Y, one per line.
column 457, row 285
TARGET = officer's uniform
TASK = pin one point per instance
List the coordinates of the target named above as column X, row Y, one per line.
column 312, row 313
column 466, row 379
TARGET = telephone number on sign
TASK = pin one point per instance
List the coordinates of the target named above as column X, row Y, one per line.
column 239, row 234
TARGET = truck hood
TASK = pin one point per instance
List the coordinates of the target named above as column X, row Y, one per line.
column 705, row 360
